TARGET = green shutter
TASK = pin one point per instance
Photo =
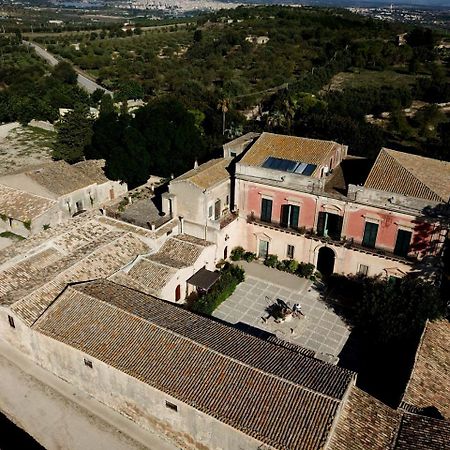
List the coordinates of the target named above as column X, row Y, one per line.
column 266, row 210
column 293, row 220
column 321, row 224
column 284, row 222
column 370, row 234
column 402, row 243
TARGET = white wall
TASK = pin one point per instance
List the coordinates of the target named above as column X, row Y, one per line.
column 138, row 401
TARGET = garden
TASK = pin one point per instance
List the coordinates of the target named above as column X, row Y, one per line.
column 230, row 276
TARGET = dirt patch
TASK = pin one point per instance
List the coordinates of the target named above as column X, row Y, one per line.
column 22, row 146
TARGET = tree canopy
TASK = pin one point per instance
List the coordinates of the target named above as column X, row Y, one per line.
column 390, row 310
column 74, row 134
column 163, row 138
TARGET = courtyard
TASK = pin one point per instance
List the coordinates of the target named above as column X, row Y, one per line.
column 319, row 328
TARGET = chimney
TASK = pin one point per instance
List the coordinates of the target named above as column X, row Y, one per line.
column 196, row 164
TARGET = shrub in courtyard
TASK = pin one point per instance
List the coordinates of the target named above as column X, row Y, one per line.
column 271, row 261
column 237, row 253
column 289, row 265
column 305, row 270
column 230, row 276
column 249, row 256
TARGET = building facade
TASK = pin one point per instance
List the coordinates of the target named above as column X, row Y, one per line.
column 286, row 194
column 46, row 195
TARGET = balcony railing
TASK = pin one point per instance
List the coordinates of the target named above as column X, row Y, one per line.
column 334, row 240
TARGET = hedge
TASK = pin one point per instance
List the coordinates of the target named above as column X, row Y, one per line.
column 230, row 277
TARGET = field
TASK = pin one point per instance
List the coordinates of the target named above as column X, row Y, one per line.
column 370, row 78
column 23, row 146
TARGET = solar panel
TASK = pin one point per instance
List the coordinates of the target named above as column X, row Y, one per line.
column 287, row 165
column 300, row 168
column 310, row 168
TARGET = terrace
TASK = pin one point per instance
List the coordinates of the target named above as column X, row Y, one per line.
column 319, row 329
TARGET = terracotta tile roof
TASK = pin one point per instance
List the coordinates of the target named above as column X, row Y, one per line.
column 22, row 206
column 147, row 276
column 93, row 169
column 144, row 232
column 311, row 151
column 56, row 178
column 365, row 423
column 98, row 259
column 180, row 251
column 207, row 175
column 33, row 277
column 422, row 433
column 410, row 175
column 429, row 384
column 60, row 178
column 279, row 397
column 20, row 248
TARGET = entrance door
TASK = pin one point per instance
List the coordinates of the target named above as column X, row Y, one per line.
column 263, row 250
column 325, row 261
column 177, row 293
column 225, row 253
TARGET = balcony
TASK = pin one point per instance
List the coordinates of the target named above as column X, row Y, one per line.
column 337, row 241
column 227, row 219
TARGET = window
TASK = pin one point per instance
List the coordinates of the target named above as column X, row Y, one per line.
column 363, row 270
column 217, row 209
column 290, row 251
column 227, row 200
column 210, row 212
column 171, row 406
column 233, row 154
column 289, row 216
column 88, row 363
column 402, row 243
column 11, row 322
column 329, row 224
column 263, row 250
column 370, row 235
column 79, row 206
column 266, row 210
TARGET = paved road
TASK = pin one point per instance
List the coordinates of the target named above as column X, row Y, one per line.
column 87, row 84
column 60, row 416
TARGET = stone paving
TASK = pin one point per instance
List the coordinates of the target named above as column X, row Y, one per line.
column 320, row 329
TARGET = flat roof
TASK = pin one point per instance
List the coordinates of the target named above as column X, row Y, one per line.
column 203, row 279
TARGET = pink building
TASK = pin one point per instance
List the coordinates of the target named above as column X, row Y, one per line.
column 296, row 199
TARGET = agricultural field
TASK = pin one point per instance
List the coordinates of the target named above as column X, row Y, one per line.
column 314, row 72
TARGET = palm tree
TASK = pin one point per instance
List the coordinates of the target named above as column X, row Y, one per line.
column 224, row 105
